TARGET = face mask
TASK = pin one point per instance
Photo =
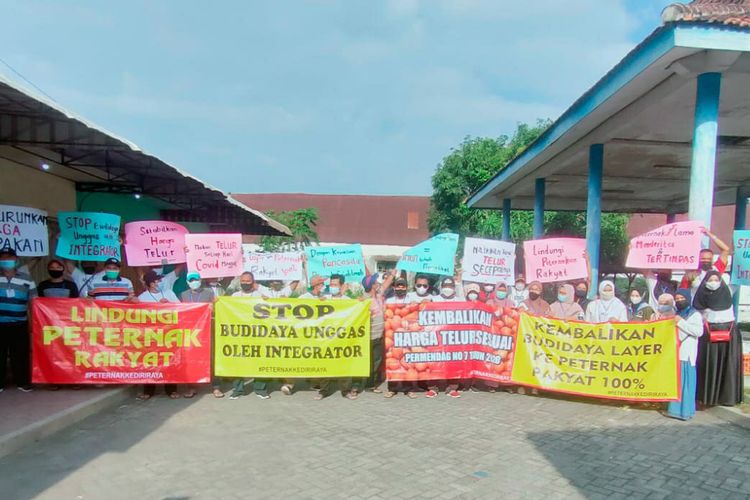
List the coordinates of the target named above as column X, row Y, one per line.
column 334, row 290
column 706, row 266
column 580, row 293
column 111, row 275
column 194, row 285
column 246, row 287
column 665, row 308
column 520, row 287
column 501, row 295
column 447, row 291
column 533, row 295
column 400, row 292
column 607, row 295
column 422, row 289
column 713, row 285
column 681, row 305
column 55, row 273
column 89, row 269
column 7, row 264
column 635, row 300
column 472, row 296
column 488, row 288
column 562, row 298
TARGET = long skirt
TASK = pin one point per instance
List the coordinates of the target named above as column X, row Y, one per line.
column 684, row 409
column 720, row 380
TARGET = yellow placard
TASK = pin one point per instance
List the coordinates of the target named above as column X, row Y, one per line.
column 633, row 361
column 291, row 338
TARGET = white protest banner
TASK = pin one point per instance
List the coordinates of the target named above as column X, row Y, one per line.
column 285, row 266
column 488, row 261
column 24, row 230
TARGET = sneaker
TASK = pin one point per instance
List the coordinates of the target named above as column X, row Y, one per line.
column 25, row 388
column 263, row 396
column 286, row 390
column 234, row 395
column 454, row 394
column 431, row 394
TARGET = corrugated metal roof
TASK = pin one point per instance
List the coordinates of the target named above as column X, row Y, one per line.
column 731, row 12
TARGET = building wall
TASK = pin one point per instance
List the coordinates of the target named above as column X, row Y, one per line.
column 33, row 188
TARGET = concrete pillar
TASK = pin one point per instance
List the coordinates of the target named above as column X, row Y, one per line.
column 539, row 188
column 506, row 219
column 594, row 213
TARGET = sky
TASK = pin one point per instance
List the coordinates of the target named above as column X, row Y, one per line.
column 326, row 96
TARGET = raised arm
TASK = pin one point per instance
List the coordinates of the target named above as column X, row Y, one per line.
column 723, row 247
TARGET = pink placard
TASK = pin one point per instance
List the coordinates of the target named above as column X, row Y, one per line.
column 154, row 243
column 214, row 255
column 674, row 246
column 555, row 259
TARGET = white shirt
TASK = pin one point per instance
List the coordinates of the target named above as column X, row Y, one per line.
column 393, row 299
column 455, row 298
column 689, row 330
column 273, row 294
column 725, row 316
column 255, row 293
column 600, row 311
column 518, row 297
column 149, row 296
column 413, row 297
column 82, row 281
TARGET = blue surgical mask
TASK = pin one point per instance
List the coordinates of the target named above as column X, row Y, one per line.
column 111, row 275
column 501, row 295
column 662, row 308
column 194, row 285
column 8, row 264
column 334, row 290
column 562, row 298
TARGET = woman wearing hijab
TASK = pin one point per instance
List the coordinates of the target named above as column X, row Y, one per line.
column 638, row 307
column 689, row 329
column 607, row 308
column 500, row 298
column 566, row 307
column 720, row 350
column 535, row 304
column 582, row 294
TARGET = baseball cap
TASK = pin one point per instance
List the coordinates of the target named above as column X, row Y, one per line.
column 151, row 276
column 192, row 276
column 8, row 251
column 400, row 282
column 448, row 282
column 112, row 262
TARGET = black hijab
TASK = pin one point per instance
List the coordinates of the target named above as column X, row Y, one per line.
column 716, row 300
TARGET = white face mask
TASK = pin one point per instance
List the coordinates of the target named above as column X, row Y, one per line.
column 447, row 291
column 194, row 285
column 713, row 285
column 520, row 287
column 472, row 296
column 488, row 288
column 607, row 295
column 421, row 289
column 635, row 300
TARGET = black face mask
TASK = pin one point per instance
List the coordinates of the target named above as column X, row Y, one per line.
column 533, row 295
column 400, row 293
column 681, row 305
column 246, row 287
column 706, row 266
column 89, row 269
column 581, row 294
column 55, row 273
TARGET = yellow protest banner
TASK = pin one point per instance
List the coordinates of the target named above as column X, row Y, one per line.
column 288, row 338
column 633, row 361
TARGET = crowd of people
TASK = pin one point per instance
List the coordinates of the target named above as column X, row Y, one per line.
column 701, row 304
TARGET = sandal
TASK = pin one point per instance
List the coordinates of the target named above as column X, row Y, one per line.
column 143, row 397
column 319, row 396
column 217, row 393
column 352, row 395
column 411, row 395
column 389, row 394
column 175, row 395
column 377, row 390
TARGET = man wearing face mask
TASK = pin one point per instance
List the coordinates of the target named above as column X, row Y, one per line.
column 249, row 287
column 82, row 276
column 400, row 295
column 155, row 290
column 16, row 290
column 57, row 286
column 448, row 292
column 109, row 285
column 706, row 263
column 519, row 292
column 421, row 291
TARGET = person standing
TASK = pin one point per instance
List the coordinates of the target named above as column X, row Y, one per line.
column 607, row 308
column 421, row 291
column 374, row 291
column 639, row 308
column 689, row 329
column 519, row 292
column 447, row 294
column 565, row 307
column 534, row 303
column 659, row 282
column 337, row 288
column 693, row 279
column 109, row 285
column 197, row 293
column 582, row 294
column 57, row 287
column 720, row 379
column 16, row 290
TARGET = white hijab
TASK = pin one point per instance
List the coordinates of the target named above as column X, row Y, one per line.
column 600, row 310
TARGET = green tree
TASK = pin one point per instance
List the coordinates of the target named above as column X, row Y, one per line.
column 475, row 161
column 302, row 225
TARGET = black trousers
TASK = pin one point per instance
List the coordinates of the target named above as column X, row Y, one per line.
column 16, row 344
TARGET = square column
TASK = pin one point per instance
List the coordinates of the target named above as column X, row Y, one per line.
column 506, row 219
column 594, row 213
column 539, row 188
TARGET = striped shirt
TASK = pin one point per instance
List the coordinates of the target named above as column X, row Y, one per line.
column 101, row 288
column 15, row 294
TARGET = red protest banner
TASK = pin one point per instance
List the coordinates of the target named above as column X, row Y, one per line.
column 449, row 340
column 78, row 341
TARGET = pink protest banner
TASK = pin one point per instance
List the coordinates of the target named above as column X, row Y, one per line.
column 674, row 246
column 154, row 243
column 555, row 259
column 214, row 255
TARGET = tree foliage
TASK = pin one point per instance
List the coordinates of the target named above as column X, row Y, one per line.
column 302, row 225
column 475, row 161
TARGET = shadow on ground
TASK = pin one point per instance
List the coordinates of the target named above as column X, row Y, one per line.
column 642, row 461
